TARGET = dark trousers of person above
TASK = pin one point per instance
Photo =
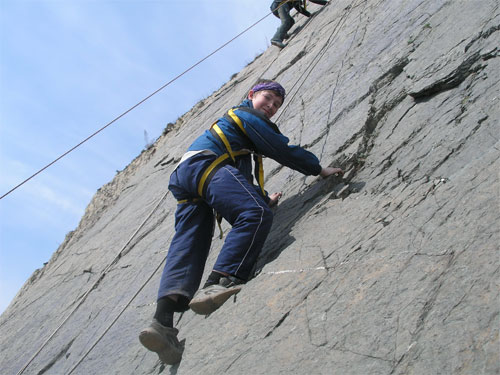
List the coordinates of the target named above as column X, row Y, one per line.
column 287, row 21
column 231, row 195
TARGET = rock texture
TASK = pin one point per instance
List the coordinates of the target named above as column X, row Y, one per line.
column 392, row 270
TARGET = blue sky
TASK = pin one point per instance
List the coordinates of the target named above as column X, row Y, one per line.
column 67, row 68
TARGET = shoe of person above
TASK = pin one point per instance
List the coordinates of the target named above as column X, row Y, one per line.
column 278, row 43
column 162, row 340
column 210, row 298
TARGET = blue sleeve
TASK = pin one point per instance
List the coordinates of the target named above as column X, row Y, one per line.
column 275, row 146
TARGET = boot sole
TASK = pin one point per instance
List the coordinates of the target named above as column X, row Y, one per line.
column 151, row 341
column 208, row 304
column 155, row 343
column 281, row 46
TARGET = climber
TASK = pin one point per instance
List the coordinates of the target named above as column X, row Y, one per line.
column 281, row 9
column 215, row 174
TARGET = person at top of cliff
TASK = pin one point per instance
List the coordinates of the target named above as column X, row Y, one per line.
column 281, row 9
column 215, row 174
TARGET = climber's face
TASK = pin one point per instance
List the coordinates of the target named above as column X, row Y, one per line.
column 266, row 101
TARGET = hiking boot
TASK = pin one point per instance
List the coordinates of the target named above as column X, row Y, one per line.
column 278, row 43
column 162, row 340
column 210, row 298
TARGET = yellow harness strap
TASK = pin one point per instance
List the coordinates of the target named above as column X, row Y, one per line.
column 193, row 200
column 222, row 136
column 237, row 120
column 218, row 217
column 260, row 174
column 257, row 158
column 217, row 163
column 224, row 159
column 209, row 170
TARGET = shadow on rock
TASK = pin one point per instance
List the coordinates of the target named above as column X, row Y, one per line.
column 294, row 208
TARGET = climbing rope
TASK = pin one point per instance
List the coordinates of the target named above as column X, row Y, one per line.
column 316, row 60
column 118, row 256
column 334, row 89
column 94, row 285
column 118, row 316
column 306, row 73
column 138, row 104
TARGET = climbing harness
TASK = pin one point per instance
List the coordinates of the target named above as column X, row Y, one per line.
column 230, row 157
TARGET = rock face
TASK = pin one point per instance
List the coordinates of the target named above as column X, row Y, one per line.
column 392, row 270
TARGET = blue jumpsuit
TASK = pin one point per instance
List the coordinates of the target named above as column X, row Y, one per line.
column 231, row 193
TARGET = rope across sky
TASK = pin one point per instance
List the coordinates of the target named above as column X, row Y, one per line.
column 136, row 105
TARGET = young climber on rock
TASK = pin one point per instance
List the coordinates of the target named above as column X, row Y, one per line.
column 281, row 9
column 215, row 174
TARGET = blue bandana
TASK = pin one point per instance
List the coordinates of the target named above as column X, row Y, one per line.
column 273, row 86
